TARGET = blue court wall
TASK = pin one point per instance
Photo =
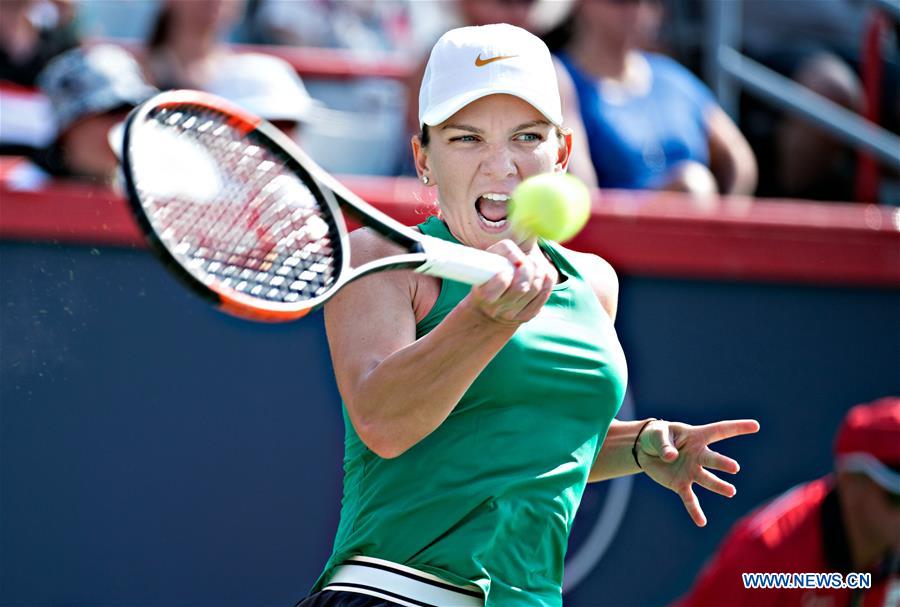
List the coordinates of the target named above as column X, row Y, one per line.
column 156, row 452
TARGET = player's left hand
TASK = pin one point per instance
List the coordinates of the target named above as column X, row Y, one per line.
column 677, row 455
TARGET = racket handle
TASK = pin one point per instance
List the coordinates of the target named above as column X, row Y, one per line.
column 460, row 263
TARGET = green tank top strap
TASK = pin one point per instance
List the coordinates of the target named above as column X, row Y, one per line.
column 451, row 293
column 562, row 261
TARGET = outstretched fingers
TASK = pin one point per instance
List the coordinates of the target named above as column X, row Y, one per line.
column 692, row 505
column 717, row 461
column 718, row 431
column 708, row 480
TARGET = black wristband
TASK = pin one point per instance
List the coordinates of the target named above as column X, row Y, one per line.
column 636, row 439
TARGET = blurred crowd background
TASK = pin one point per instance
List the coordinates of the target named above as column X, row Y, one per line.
column 634, row 75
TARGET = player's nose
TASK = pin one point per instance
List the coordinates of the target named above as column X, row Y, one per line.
column 498, row 162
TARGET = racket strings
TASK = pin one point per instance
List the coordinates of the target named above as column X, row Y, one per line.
column 232, row 210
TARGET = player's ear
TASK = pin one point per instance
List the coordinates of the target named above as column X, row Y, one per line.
column 420, row 155
column 565, row 149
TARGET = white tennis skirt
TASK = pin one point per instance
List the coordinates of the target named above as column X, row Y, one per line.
column 401, row 584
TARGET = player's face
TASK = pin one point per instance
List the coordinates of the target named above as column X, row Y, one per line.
column 478, row 156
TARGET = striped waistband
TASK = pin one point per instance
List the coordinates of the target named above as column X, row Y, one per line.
column 401, row 584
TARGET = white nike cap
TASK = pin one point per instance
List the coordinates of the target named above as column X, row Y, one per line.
column 469, row 63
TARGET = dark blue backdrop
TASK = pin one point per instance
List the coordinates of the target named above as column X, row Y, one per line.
column 156, row 452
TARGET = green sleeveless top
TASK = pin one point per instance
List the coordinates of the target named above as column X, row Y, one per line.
column 488, row 497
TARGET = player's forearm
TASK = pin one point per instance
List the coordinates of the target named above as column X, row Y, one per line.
column 615, row 458
column 411, row 392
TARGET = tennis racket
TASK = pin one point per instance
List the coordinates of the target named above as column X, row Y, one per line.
column 245, row 218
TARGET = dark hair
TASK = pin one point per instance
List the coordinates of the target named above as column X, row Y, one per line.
column 159, row 34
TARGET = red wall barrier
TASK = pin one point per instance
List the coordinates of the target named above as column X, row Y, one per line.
column 313, row 62
column 657, row 234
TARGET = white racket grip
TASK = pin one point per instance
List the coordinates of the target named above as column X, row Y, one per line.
column 460, row 263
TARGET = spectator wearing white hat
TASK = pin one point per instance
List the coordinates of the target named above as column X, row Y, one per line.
column 186, row 50
column 268, row 87
column 90, row 91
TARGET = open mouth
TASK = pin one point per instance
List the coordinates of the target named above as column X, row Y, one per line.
column 492, row 210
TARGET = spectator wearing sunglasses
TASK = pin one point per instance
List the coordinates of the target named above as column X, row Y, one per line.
column 847, row 522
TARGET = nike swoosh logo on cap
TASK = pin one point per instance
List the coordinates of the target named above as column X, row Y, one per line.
column 479, row 62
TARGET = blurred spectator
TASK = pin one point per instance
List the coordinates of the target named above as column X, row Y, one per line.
column 485, row 12
column 372, row 108
column 376, row 106
column 185, row 50
column 846, row 522
column 818, row 44
column 651, row 123
column 185, row 43
column 32, row 32
column 267, row 87
column 360, row 25
column 539, row 17
column 90, row 90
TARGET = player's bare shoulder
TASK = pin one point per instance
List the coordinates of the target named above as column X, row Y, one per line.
column 420, row 291
column 367, row 245
column 602, row 277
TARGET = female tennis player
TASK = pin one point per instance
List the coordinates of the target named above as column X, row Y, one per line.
column 476, row 415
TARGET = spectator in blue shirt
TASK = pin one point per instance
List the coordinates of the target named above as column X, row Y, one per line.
column 651, row 124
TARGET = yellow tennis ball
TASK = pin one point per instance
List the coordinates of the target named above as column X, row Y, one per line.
column 554, row 206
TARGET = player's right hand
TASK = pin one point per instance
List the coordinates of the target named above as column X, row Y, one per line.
column 515, row 296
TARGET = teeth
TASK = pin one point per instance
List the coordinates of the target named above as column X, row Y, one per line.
column 493, row 197
column 496, row 197
column 493, row 224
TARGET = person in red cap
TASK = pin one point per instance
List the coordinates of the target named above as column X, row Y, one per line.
column 847, row 522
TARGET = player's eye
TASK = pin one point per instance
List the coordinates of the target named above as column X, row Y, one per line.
column 464, row 138
column 529, row 137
